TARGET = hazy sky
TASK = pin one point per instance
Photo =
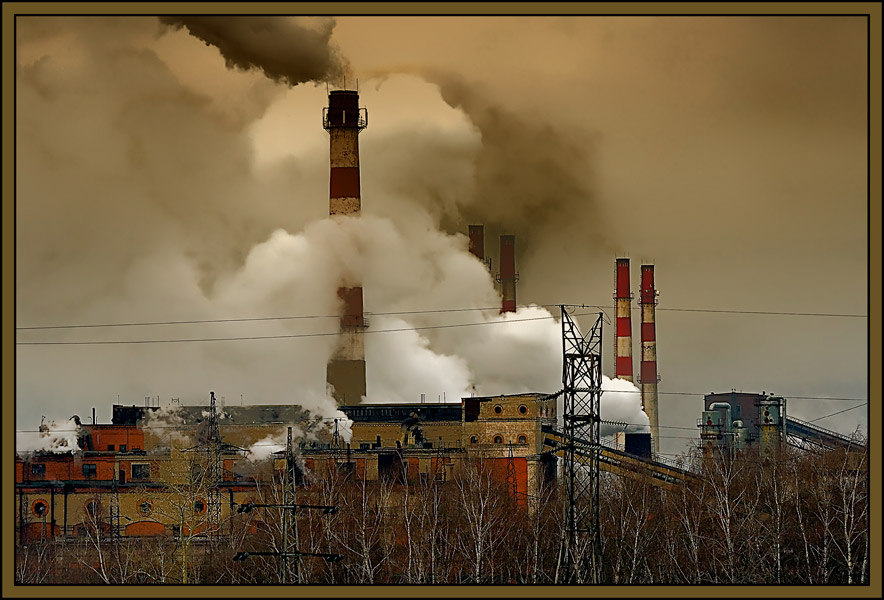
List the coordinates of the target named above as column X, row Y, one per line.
column 161, row 180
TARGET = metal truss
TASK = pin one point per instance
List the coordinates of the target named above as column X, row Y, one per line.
column 582, row 388
column 213, row 470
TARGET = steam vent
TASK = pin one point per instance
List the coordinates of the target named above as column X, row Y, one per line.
column 343, row 119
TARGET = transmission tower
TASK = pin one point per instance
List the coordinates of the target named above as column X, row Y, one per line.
column 213, row 469
column 582, row 387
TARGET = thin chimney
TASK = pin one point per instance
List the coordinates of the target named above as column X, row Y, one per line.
column 623, row 306
column 508, row 276
column 649, row 378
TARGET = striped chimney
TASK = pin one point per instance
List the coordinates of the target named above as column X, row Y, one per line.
column 649, row 378
column 623, row 306
column 343, row 119
column 508, row 276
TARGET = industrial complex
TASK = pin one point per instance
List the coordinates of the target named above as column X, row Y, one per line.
column 123, row 477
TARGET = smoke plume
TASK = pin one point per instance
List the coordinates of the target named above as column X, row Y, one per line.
column 288, row 50
column 58, row 438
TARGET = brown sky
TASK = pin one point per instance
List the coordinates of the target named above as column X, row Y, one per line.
column 729, row 151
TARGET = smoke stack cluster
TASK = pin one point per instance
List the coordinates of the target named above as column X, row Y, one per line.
column 343, row 120
column 623, row 336
column 507, row 275
column 649, row 379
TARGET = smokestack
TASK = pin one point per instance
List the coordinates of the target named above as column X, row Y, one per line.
column 508, row 276
column 477, row 244
column 649, row 378
column 623, row 337
column 343, row 119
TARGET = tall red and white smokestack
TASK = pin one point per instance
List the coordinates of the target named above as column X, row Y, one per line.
column 649, row 379
column 508, row 276
column 623, row 306
column 343, row 119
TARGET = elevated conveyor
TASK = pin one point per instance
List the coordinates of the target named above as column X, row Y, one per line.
column 619, row 462
column 801, row 434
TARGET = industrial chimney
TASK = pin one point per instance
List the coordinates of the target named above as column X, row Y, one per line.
column 343, row 119
column 649, row 379
column 477, row 244
column 623, row 336
column 508, row 276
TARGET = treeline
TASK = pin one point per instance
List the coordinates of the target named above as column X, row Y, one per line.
column 799, row 519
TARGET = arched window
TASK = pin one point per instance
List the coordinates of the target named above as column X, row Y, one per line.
column 523, row 439
column 474, row 439
column 498, row 409
column 498, row 439
column 92, row 507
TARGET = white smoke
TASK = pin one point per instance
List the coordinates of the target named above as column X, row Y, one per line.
column 621, row 401
column 58, row 438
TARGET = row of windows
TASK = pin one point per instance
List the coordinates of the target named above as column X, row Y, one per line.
column 498, row 409
column 498, row 439
column 139, row 470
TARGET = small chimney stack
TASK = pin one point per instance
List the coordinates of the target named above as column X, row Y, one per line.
column 508, row 276
column 649, row 377
column 623, row 335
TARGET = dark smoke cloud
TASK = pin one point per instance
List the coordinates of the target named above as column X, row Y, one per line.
column 530, row 175
column 284, row 49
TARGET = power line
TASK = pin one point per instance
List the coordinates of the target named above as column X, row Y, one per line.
column 281, row 336
column 415, row 312
column 837, row 413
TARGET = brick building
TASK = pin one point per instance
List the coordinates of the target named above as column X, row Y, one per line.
column 131, row 468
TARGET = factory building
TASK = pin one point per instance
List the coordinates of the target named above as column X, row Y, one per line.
column 123, row 477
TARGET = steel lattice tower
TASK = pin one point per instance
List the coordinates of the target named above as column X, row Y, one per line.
column 114, row 511
column 213, row 469
column 511, row 484
column 582, row 389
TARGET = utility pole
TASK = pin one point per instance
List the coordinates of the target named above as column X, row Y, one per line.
column 289, row 528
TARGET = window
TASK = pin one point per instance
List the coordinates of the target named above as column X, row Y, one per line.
column 40, row 508
column 364, row 446
column 498, row 439
column 474, row 439
column 199, row 507
column 110, row 447
column 92, row 508
column 38, row 469
column 498, row 409
column 145, row 507
column 140, row 471
column 523, row 439
column 122, row 447
column 89, row 470
column 523, row 410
